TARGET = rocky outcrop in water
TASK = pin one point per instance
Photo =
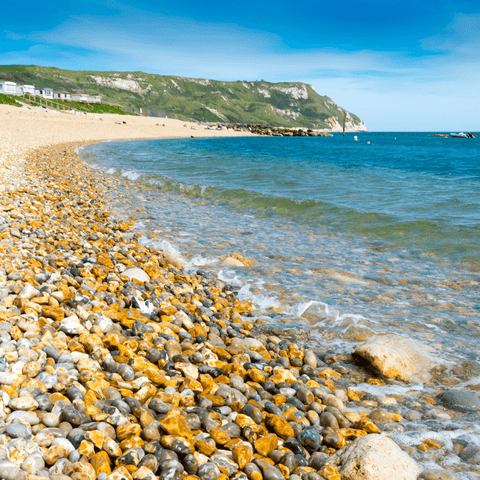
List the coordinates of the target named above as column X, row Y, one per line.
column 267, row 130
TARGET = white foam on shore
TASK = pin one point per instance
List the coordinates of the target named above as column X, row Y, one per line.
column 131, row 175
column 381, row 392
column 230, row 278
column 199, row 261
column 262, row 301
column 166, row 247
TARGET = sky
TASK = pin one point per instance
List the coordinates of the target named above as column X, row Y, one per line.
column 399, row 65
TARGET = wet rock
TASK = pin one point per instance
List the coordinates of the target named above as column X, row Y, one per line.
column 396, row 357
column 329, row 420
column 233, row 262
column 461, row 401
column 438, row 475
column 372, row 457
column 470, row 455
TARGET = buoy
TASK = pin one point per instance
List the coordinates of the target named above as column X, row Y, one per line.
column 368, row 143
column 355, row 138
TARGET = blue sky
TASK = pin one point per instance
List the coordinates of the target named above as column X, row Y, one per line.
column 399, row 65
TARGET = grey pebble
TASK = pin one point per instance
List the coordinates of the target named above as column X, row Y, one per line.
column 9, row 471
column 33, row 463
column 18, row 430
column 461, row 401
column 471, row 455
column 208, row 471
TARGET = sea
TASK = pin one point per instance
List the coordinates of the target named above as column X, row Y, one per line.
column 343, row 237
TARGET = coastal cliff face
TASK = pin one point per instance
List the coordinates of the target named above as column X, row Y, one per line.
column 277, row 104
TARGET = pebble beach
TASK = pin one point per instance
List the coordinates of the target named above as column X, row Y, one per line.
column 117, row 363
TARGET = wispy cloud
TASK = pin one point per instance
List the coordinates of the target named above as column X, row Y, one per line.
column 435, row 83
column 186, row 47
column 461, row 37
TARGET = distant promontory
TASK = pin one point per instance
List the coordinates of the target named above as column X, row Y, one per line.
column 293, row 105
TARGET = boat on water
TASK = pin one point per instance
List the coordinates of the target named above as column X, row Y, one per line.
column 462, row 135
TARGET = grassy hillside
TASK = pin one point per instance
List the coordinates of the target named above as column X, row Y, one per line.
column 276, row 104
column 9, row 100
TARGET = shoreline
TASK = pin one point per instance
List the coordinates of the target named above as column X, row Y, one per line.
column 32, row 127
column 156, row 371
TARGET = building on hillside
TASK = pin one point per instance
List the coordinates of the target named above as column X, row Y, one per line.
column 23, row 89
column 62, row 95
column 95, row 99
column 8, row 88
column 85, row 98
column 44, row 92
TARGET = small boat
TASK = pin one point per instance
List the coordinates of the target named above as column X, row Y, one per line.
column 462, row 135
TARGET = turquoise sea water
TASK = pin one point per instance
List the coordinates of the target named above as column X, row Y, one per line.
column 346, row 237
column 410, row 190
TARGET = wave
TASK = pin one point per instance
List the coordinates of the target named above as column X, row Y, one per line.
column 441, row 235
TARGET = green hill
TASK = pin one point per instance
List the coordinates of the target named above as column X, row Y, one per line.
column 277, row 104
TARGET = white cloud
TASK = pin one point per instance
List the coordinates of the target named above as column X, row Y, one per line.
column 185, row 47
column 461, row 37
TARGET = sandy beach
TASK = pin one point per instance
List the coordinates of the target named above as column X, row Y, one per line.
column 31, row 127
column 119, row 364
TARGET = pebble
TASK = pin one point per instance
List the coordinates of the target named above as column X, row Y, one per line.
column 23, row 403
column 461, row 401
column 10, row 471
column 471, row 455
column 119, row 364
column 209, row 471
column 18, row 430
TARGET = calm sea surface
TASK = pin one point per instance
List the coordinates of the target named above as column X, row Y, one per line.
column 347, row 237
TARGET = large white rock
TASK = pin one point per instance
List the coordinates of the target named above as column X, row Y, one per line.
column 137, row 274
column 374, row 457
column 397, row 357
column 233, row 262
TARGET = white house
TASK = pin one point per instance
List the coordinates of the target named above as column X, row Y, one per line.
column 8, row 88
column 23, row 89
column 62, row 95
column 95, row 99
column 79, row 97
column 85, row 98
column 45, row 92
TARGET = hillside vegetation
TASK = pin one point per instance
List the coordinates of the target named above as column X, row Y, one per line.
column 277, row 104
column 9, row 100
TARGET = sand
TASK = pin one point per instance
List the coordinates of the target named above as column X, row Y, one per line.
column 32, row 127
